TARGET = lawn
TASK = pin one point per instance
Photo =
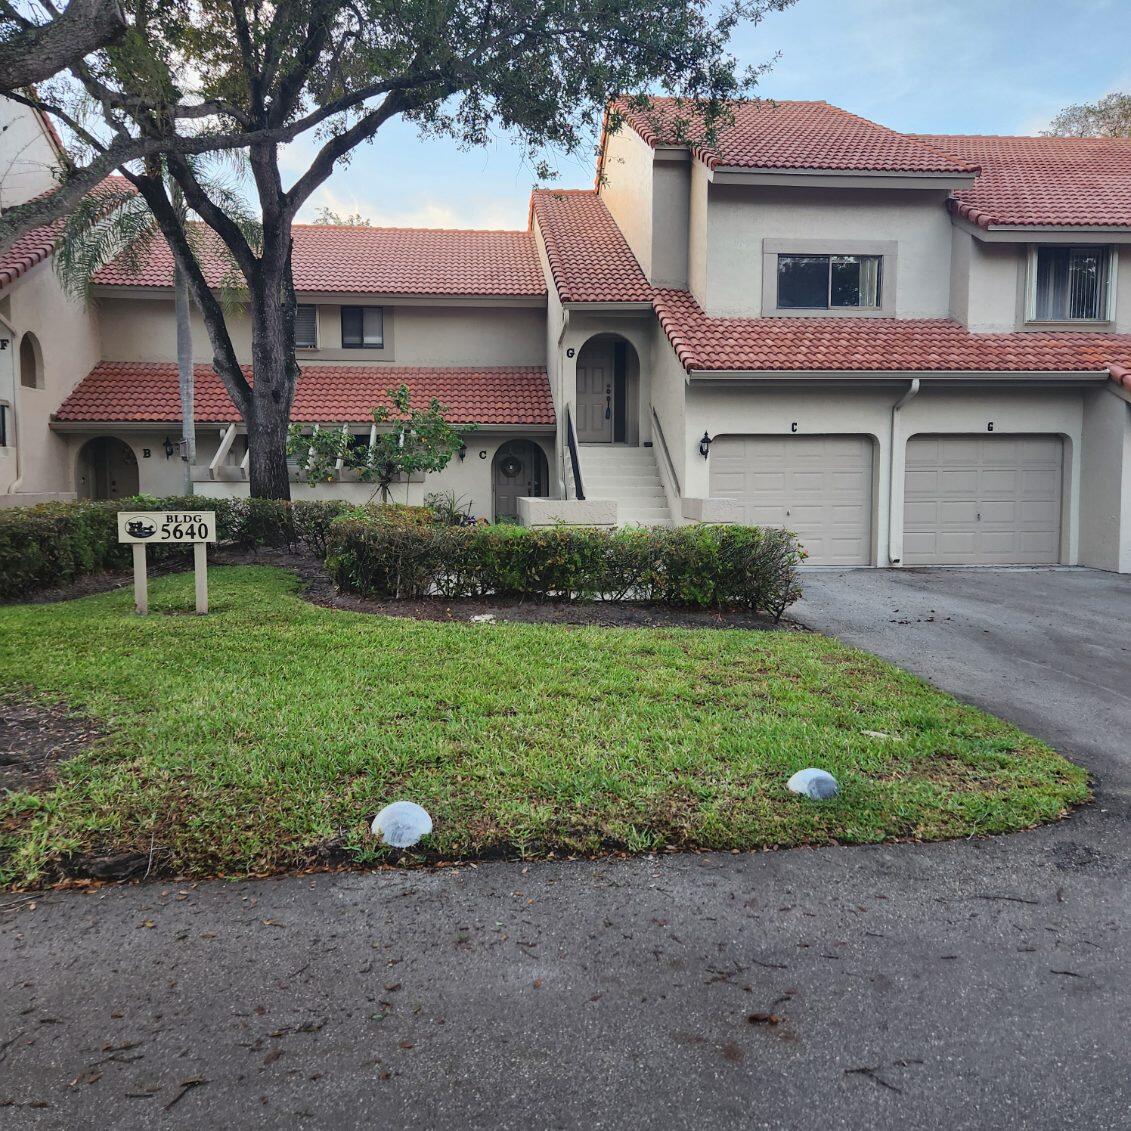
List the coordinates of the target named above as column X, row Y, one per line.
column 250, row 740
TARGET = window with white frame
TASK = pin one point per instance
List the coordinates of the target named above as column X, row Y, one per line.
column 829, row 282
column 363, row 327
column 1070, row 284
column 306, row 327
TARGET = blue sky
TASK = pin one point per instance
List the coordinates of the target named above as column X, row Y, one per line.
column 947, row 66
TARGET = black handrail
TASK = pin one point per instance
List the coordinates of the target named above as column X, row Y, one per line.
column 658, row 428
column 574, row 461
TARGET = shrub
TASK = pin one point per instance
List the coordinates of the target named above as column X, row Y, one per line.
column 56, row 543
column 698, row 566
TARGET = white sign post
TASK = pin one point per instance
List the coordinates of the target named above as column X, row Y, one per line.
column 140, row 528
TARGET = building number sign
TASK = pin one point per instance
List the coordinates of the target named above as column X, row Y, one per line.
column 195, row 528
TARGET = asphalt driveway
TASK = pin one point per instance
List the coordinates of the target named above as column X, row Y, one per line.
column 1048, row 649
column 976, row 984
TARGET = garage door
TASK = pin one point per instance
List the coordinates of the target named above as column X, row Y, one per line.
column 818, row 486
column 983, row 500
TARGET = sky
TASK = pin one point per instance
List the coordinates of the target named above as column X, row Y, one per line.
column 919, row 66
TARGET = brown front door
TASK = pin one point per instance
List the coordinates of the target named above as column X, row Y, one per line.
column 107, row 470
column 520, row 471
column 595, row 394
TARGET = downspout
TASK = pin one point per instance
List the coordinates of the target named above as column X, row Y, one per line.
column 15, row 438
column 561, row 438
column 895, row 546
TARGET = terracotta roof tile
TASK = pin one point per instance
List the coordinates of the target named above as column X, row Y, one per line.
column 793, row 135
column 589, row 256
column 148, row 391
column 330, row 258
column 872, row 344
column 35, row 246
column 1054, row 181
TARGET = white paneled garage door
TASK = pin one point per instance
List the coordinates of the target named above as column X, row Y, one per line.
column 818, row 486
column 983, row 500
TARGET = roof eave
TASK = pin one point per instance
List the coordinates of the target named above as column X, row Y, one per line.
column 886, row 376
column 840, row 178
column 70, row 426
column 990, row 232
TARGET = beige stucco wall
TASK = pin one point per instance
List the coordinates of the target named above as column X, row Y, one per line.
column 743, row 409
column 698, row 236
column 627, row 191
column 740, row 218
column 1105, row 516
column 35, row 465
column 470, row 479
column 671, row 205
column 27, row 156
column 143, row 329
column 987, row 284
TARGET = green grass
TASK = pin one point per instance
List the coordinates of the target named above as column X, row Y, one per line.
column 243, row 740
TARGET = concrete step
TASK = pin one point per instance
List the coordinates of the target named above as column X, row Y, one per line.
column 611, row 489
column 629, row 517
column 628, row 476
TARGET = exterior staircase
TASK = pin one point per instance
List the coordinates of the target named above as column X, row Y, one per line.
column 630, row 477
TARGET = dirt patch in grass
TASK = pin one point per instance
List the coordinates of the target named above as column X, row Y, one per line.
column 35, row 738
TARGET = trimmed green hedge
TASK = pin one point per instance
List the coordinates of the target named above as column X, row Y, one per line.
column 57, row 543
column 699, row 566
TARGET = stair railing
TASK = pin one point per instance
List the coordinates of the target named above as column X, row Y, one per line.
column 574, row 459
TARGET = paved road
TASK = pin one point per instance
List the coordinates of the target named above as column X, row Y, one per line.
column 978, row 984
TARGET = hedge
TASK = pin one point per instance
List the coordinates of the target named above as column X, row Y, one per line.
column 57, row 543
column 698, row 566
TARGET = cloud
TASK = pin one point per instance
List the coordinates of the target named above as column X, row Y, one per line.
column 421, row 212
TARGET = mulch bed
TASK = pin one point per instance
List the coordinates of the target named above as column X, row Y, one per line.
column 320, row 590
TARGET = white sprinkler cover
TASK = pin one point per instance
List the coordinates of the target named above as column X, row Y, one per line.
column 818, row 784
column 402, row 824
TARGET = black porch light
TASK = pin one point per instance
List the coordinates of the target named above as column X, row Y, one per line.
column 705, row 445
column 170, row 448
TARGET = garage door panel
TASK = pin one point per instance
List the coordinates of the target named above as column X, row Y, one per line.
column 984, row 500
column 820, row 487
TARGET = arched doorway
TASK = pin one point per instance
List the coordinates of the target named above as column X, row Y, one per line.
column 607, row 391
column 107, row 469
column 31, row 362
column 519, row 470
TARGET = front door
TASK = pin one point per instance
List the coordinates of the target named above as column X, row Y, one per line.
column 520, row 471
column 595, row 394
column 107, row 470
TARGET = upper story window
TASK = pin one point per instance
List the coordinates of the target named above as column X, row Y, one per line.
column 829, row 282
column 1070, row 284
column 363, row 327
column 31, row 362
column 306, row 328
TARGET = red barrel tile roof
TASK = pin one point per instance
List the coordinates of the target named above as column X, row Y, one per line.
column 331, row 258
column 792, row 135
column 148, row 391
column 1053, row 181
column 872, row 344
column 589, row 256
column 35, row 246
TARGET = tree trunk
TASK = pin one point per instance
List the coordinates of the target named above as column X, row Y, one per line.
column 274, row 369
column 186, row 377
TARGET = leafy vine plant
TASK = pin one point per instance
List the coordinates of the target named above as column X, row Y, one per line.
column 404, row 440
